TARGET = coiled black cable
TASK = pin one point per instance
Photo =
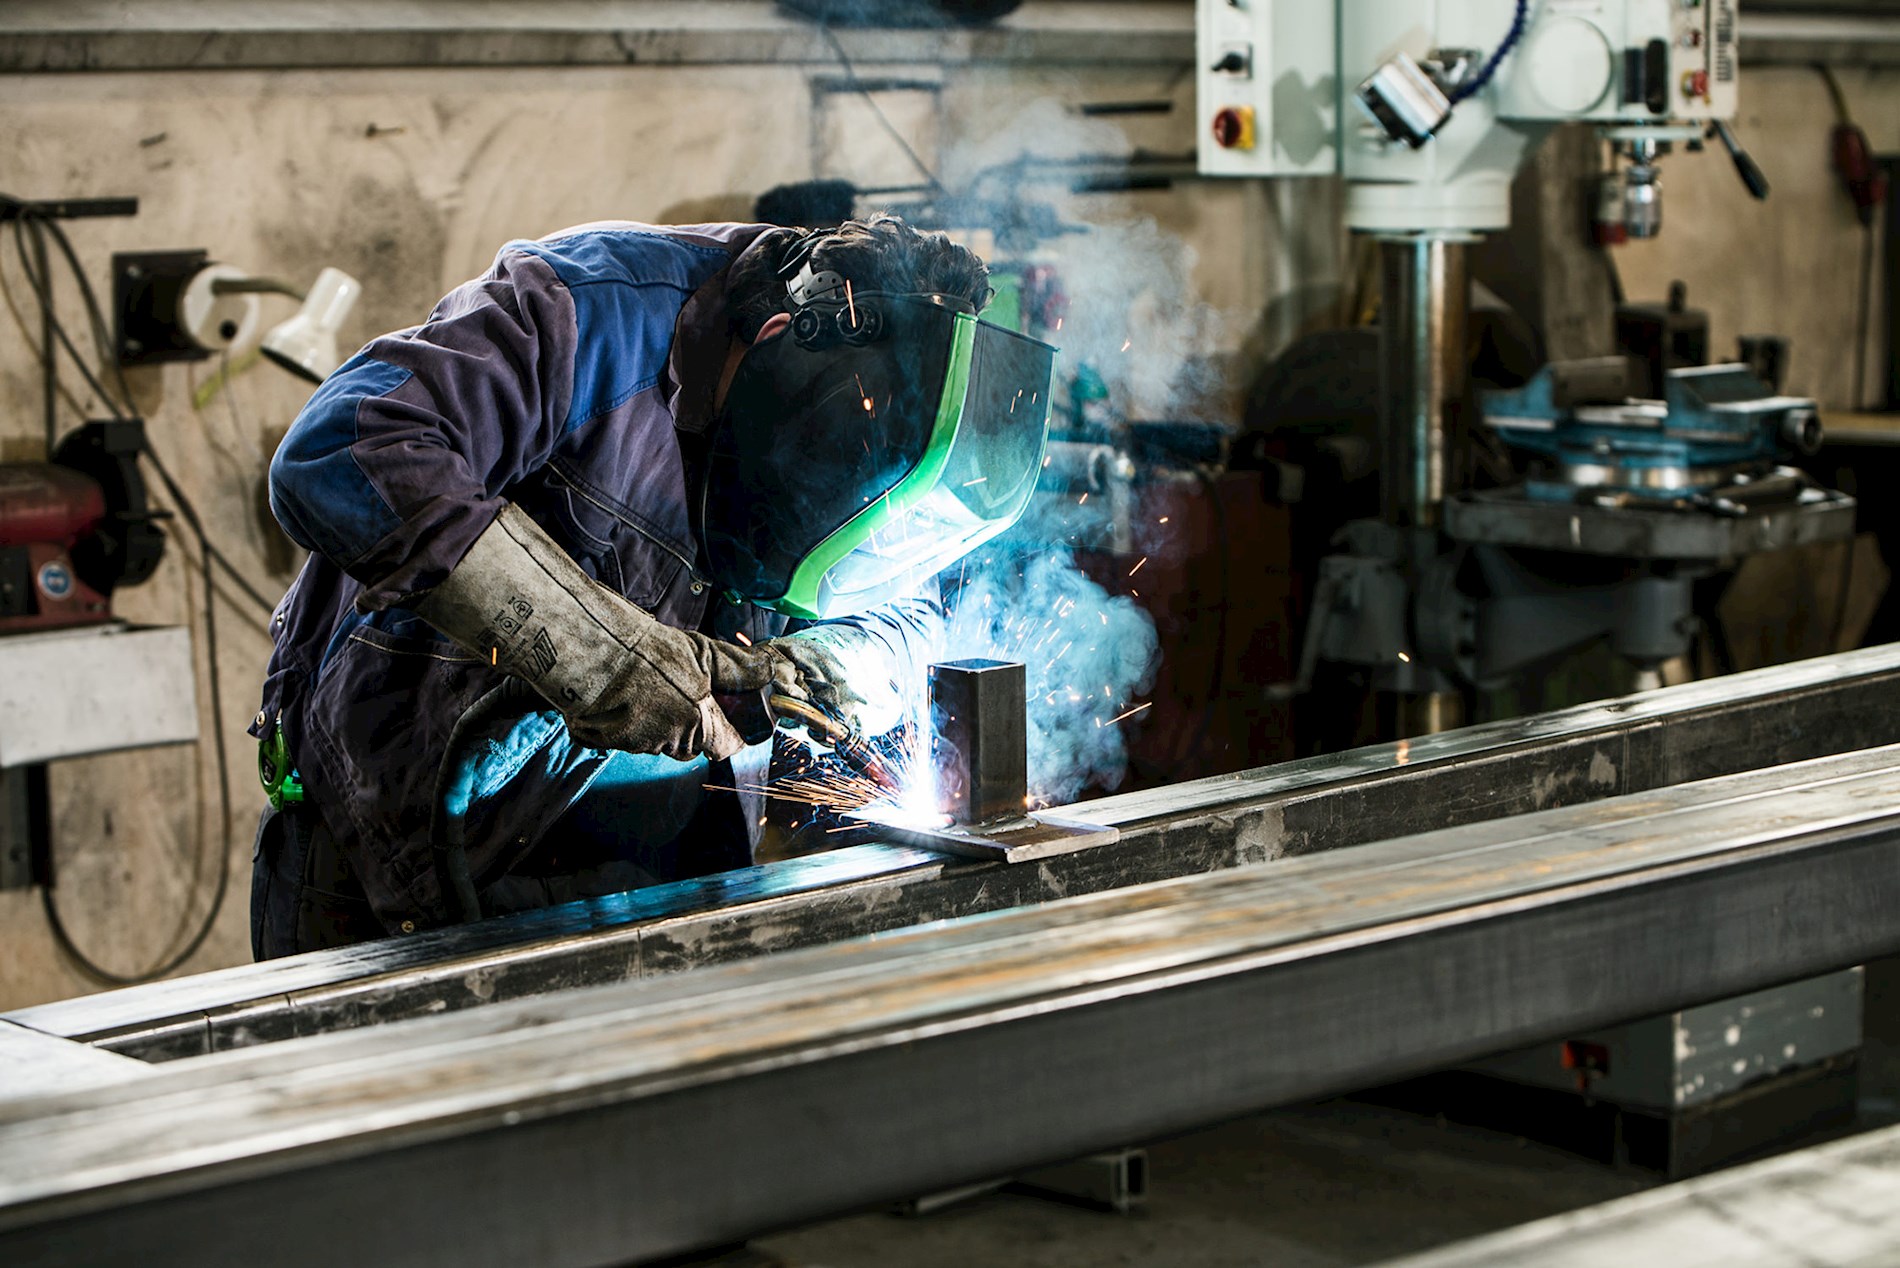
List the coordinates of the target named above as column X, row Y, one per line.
column 1476, row 84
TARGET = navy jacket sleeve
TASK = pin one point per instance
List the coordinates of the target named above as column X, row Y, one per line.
column 400, row 459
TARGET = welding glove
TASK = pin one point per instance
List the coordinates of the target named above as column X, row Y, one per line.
column 621, row 678
column 866, row 669
column 823, row 676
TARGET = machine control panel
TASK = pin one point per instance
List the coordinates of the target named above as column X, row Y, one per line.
column 1267, row 97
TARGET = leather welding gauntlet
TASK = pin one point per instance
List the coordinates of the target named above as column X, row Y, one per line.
column 823, row 676
column 621, row 678
column 866, row 669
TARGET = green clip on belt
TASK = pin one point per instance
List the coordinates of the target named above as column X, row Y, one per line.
column 282, row 784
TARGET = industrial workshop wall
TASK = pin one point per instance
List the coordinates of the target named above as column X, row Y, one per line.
column 409, row 179
column 1791, row 265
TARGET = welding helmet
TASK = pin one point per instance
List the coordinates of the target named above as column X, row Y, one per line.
column 878, row 439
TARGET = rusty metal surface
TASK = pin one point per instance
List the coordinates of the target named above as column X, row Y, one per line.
column 1036, row 835
column 789, row 1087
column 1657, row 739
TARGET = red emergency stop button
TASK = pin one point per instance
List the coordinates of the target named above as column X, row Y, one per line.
column 1233, row 127
column 1695, row 84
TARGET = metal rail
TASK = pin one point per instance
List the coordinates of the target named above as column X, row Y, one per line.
column 1742, row 722
column 652, row 1117
column 1832, row 1206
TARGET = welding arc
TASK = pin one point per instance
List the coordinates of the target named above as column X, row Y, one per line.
column 857, row 754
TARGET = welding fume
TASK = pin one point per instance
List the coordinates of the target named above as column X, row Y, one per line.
column 553, row 618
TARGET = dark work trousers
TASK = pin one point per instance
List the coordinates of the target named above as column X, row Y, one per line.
column 304, row 894
column 644, row 820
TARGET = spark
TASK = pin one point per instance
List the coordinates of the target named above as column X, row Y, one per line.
column 1058, row 323
column 1129, row 714
column 1127, row 344
column 849, row 302
column 1162, row 520
column 1407, row 659
column 1137, row 567
column 742, row 638
column 494, row 654
column 1047, row 459
column 1082, row 500
column 978, row 480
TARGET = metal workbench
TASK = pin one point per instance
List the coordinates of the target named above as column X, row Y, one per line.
column 653, row 1116
column 1746, row 721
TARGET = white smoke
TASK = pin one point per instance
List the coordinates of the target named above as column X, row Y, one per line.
column 1088, row 656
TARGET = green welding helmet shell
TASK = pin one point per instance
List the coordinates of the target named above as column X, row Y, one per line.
column 867, row 448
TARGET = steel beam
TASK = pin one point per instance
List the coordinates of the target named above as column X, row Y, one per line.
column 1654, row 740
column 647, row 1118
column 1831, row 1206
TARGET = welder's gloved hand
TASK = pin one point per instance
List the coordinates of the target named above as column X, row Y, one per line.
column 621, row 678
column 822, row 675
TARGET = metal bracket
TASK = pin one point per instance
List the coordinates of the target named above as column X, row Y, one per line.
column 1020, row 840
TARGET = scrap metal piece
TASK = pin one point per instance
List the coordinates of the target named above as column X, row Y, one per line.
column 979, row 712
column 1021, row 839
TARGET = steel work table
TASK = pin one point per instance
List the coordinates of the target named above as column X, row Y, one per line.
column 654, row 1116
column 1657, row 739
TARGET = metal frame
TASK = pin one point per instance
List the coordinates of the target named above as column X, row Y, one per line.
column 1745, row 721
column 649, row 1118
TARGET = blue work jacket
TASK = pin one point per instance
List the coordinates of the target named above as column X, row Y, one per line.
column 561, row 380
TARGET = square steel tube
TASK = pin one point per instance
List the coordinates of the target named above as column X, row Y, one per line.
column 978, row 710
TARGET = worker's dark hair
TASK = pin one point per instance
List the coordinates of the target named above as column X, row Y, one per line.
column 877, row 253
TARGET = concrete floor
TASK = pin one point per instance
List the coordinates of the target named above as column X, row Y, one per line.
column 1316, row 1186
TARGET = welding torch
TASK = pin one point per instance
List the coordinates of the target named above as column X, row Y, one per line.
column 756, row 714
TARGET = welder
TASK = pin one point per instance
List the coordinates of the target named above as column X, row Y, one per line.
column 629, row 475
